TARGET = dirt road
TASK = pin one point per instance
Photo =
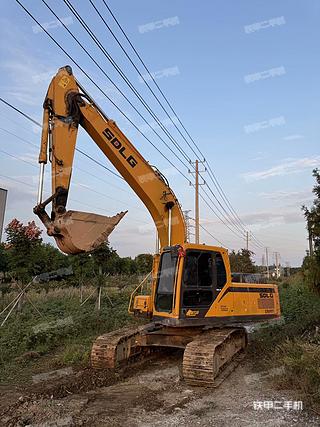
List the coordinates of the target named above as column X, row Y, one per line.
column 155, row 396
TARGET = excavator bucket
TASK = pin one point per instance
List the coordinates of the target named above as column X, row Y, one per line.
column 77, row 232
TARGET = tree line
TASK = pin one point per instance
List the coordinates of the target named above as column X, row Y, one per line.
column 25, row 255
column 311, row 263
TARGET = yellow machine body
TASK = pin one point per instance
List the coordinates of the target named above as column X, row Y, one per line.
column 191, row 284
column 204, row 294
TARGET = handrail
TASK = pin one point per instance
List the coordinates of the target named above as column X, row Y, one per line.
column 133, row 294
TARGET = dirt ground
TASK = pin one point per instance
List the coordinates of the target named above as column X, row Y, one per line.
column 150, row 396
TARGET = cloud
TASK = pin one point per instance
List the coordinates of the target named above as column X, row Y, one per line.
column 271, row 218
column 22, row 71
column 282, row 195
column 25, row 76
column 17, row 192
column 292, row 137
column 289, row 214
column 31, row 157
column 288, row 167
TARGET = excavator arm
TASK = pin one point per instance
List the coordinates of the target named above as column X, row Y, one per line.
column 66, row 106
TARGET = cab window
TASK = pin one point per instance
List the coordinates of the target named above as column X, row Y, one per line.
column 166, row 281
column 203, row 277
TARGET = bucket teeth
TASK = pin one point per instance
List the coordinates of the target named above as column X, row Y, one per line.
column 77, row 232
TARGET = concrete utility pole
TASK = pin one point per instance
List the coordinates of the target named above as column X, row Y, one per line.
column 310, row 239
column 157, row 242
column 3, row 200
column 277, row 265
column 197, row 208
column 247, row 240
column 267, row 263
column 197, row 204
column 188, row 225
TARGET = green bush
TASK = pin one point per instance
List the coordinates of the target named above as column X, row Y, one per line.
column 294, row 345
column 301, row 362
column 67, row 331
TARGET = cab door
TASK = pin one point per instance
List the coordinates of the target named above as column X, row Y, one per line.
column 204, row 275
column 166, row 282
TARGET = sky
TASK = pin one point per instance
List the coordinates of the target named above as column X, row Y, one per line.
column 243, row 77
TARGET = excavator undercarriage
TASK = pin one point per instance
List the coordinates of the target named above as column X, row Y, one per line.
column 209, row 353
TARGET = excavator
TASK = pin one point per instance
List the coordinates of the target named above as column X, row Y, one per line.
column 193, row 304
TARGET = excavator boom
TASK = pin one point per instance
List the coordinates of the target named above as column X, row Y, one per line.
column 67, row 106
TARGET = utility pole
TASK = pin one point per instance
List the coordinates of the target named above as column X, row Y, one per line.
column 197, row 204
column 287, row 269
column 310, row 239
column 277, row 264
column 188, row 224
column 267, row 263
column 197, row 209
column 157, row 242
column 247, row 240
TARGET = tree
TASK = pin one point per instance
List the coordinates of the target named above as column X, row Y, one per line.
column 241, row 261
column 4, row 259
column 49, row 258
column 311, row 263
column 27, row 255
column 126, row 266
column 144, row 263
column 23, row 243
column 82, row 265
column 105, row 259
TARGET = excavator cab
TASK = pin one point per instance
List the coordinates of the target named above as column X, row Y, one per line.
column 192, row 285
column 186, row 282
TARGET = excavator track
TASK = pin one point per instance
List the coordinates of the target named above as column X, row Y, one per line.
column 212, row 355
column 116, row 349
column 208, row 358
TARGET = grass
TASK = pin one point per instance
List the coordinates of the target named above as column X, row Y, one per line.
column 63, row 336
column 295, row 345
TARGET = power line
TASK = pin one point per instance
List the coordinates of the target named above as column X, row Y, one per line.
column 18, row 158
column 17, row 180
column 18, row 137
column 75, row 167
column 229, row 219
column 77, row 183
column 101, row 179
column 71, row 199
column 122, row 74
column 215, row 213
column 85, row 154
column 72, row 59
column 99, row 88
column 203, row 228
column 101, row 47
column 39, row 125
column 99, row 163
column 114, row 64
column 158, row 87
column 88, row 76
column 16, row 123
column 210, row 234
column 138, row 71
column 19, row 111
column 211, row 173
column 104, row 195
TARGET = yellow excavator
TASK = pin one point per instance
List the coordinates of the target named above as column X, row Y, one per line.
column 193, row 303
